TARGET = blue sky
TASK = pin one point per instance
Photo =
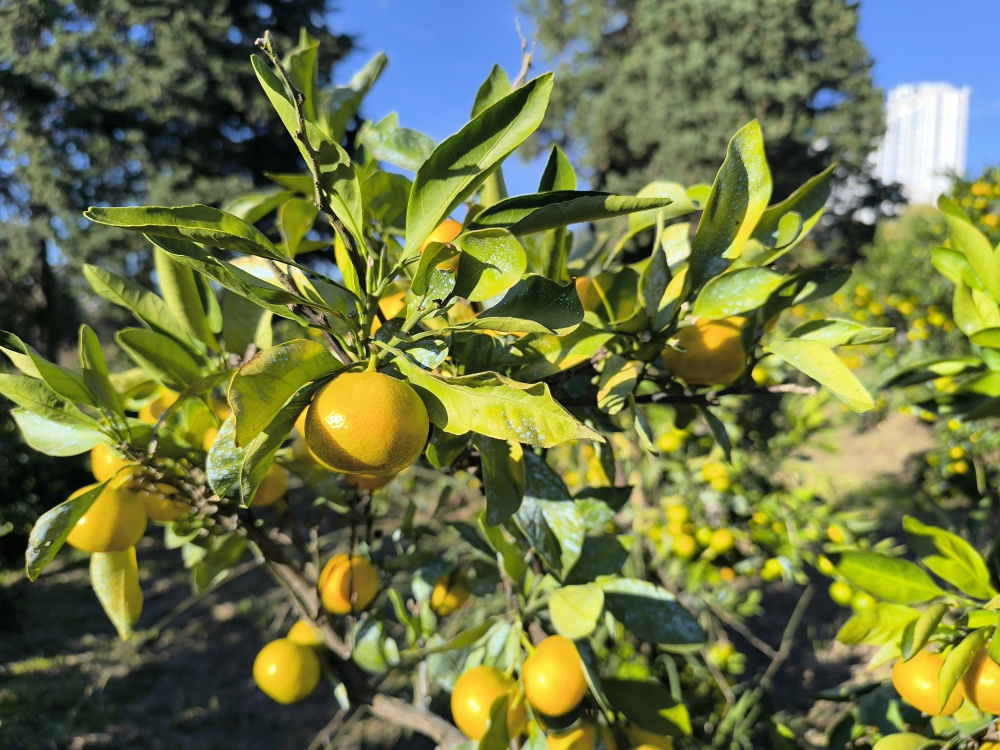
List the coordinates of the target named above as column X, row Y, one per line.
column 441, row 50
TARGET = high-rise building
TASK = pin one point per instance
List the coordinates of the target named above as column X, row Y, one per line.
column 927, row 126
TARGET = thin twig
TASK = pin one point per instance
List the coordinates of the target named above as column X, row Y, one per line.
column 744, row 631
column 526, row 57
column 322, row 738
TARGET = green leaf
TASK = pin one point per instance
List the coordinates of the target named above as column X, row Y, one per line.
column 950, row 557
column 558, row 174
column 964, row 236
column 115, row 579
column 388, row 142
column 613, row 296
column 148, row 308
column 236, row 472
column 56, row 438
column 918, row 632
column 929, row 369
column 492, row 261
column 987, row 337
column 833, row 332
column 680, row 204
column 905, row 741
column 719, row 432
column 806, row 204
column 652, row 614
column 495, row 406
column 295, row 218
column 738, row 199
column 601, row 556
column 254, row 206
column 385, row 195
column 815, row 360
column 527, row 214
column 534, row 304
column 460, row 164
column 503, row 477
column 497, row 735
column 957, row 662
column 509, row 553
column 164, row 358
column 876, row 626
column 548, row 518
column 62, row 380
column 202, row 224
column 431, row 281
column 494, row 88
column 38, row 398
column 95, row 372
column 262, row 386
column 223, row 553
column 738, row 291
column 183, row 297
column 548, row 355
column 302, row 64
column 973, row 310
column 649, row 705
column 52, row 527
column 338, row 177
column 618, row 380
column 245, row 323
column 889, row 578
column 576, row 610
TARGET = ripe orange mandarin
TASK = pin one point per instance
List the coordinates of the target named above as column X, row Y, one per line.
column 982, row 683
column 105, row 463
column 448, row 595
column 554, row 683
column 115, row 521
column 161, row 501
column 345, row 579
column 918, row 683
column 272, row 488
column 711, row 352
column 287, row 672
column 474, row 695
column 444, row 232
column 366, row 423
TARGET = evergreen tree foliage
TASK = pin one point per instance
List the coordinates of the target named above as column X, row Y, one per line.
column 112, row 102
column 653, row 89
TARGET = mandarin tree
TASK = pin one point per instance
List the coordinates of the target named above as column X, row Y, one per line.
column 446, row 410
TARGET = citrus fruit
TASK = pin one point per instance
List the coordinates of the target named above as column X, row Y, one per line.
column 841, row 592
column 684, row 546
column 862, row 600
column 554, row 682
column 580, row 738
column 982, row 683
column 703, row 535
column 772, row 570
column 710, row 352
column 390, row 306
column 448, row 595
column 285, row 671
column 825, row 566
column 160, row 501
column 105, row 463
column 366, row 423
column 150, row 413
column 918, row 683
column 304, row 634
column 272, row 488
column 115, row 521
column 474, row 695
column 722, row 541
column 678, row 513
column 445, row 232
column 368, row 481
column 345, row 579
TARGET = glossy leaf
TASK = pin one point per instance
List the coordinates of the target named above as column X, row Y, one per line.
column 601, row 556
column 650, row 706
column 878, row 625
column 182, row 295
column 222, row 554
column 492, row 261
column 833, row 332
column 254, row 206
column 495, row 406
column 460, row 164
column 534, row 304
column 552, row 354
column 150, row 309
column 652, row 614
column 548, row 518
column 295, row 218
column 503, row 478
column 56, row 438
column 618, row 380
column 162, row 357
column 115, row 579
column 806, row 204
column 817, row 361
column 958, row 660
column 950, row 557
column 510, row 554
column 388, row 142
column 262, row 386
column 558, row 174
column 52, row 527
column 739, row 291
column 576, row 610
column 905, row 741
column 341, row 104
column 62, row 380
column 891, row 579
column 493, row 89
column 537, row 212
column 739, row 197
column 38, row 398
column 679, row 205
column 973, row 244
column 245, row 323
column 918, row 632
column 95, row 372
column 338, row 178
column 202, row 224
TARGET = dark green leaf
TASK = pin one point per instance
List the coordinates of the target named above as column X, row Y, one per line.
column 460, row 164
column 650, row 706
column 558, row 174
column 51, row 529
column 601, row 556
column 502, row 468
